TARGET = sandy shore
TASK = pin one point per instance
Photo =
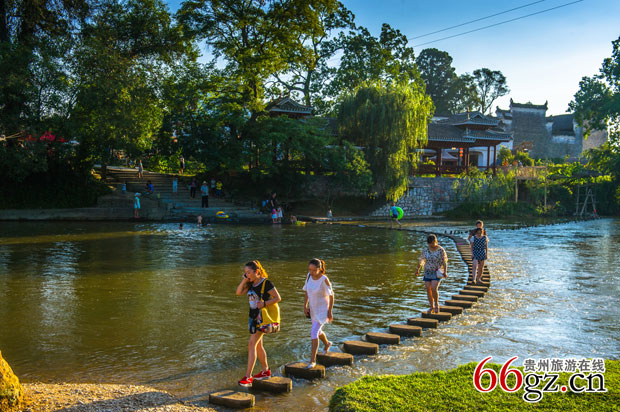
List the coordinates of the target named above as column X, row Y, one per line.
column 70, row 397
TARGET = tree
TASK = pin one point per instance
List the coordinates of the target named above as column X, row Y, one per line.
column 309, row 70
column 597, row 103
column 365, row 58
column 119, row 66
column 390, row 122
column 490, row 85
column 450, row 93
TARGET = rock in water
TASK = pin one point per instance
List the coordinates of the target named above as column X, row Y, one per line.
column 11, row 391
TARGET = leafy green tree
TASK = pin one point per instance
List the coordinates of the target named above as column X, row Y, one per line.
column 390, row 122
column 119, row 66
column 309, row 70
column 365, row 58
column 597, row 103
column 490, row 85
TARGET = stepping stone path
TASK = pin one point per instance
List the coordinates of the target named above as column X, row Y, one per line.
column 232, row 399
column 406, row 330
column 356, row 347
column 300, row 370
column 423, row 322
column 275, row 384
column 454, row 310
column 465, row 297
column 464, row 300
column 440, row 316
column 383, row 338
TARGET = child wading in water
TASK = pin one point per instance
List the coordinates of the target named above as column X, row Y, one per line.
column 261, row 293
column 318, row 305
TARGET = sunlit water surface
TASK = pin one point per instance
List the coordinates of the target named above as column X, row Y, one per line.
column 150, row 303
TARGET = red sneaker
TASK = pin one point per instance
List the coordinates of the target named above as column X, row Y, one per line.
column 247, row 382
column 262, row 375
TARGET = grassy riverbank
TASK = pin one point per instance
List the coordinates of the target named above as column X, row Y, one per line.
column 453, row 390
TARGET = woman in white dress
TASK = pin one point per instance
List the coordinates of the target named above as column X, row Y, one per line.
column 318, row 305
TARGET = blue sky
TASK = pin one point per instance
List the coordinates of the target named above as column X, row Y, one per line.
column 543, row 57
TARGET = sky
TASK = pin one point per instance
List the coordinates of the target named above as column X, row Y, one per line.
column 543, row 56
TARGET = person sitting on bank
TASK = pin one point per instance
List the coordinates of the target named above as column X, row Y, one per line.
column 149, row 188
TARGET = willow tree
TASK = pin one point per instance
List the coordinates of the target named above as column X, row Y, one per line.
column 390, row 122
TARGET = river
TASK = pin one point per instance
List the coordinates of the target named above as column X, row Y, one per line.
column 154, row 304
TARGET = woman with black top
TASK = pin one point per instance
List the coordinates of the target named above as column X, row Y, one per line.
column 259, row 296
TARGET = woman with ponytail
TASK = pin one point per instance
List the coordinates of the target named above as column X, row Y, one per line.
column 318, row 305
column 261, row 293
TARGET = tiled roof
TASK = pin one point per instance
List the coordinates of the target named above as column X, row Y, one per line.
column 489, row 135
column 287, row 105
column 528, row 105
column 470, row 118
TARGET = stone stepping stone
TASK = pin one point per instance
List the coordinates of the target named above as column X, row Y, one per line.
column 275, row 384
column 454, row 310
column 406, row 330
column 478, row 293
column 357, row 347
column 484, row 278
column 232, row 399
column 382, row 338
column 465, row 297
column 476, row 287
column 334, row 358
column 423, row 322
column 441, row 316
column 462, row 303
column 300, row 370
column 487, row 284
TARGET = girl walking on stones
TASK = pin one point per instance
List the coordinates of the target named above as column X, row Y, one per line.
column 435, row 262
column 479, row 246
column 318, row 305
column 262, row 294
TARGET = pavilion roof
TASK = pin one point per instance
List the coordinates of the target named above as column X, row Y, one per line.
column 287, row 105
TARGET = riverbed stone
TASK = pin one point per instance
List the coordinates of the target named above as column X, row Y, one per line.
column 440, row 316
column 334, row 359
column 423, row 322
column 462, row 303
column 11, row 391
column 465, row 297
column 454, row 310
column 406, row 330
column 383, row 338
column 483, row 283
column 232, row 399
column 357, row 347
column 300, row 370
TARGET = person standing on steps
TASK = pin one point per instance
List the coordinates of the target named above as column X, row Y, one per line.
column 192, row 188
column 213, row 186
column 472, row 233
column 435, row 262
column 175, row 184
column 140, row 169
column 318, row 306
column 218, row 189
column 181, row 165
column 204, row 192
column 261, row 293
column 479, row 246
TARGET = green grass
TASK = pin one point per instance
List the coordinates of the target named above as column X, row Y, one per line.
column 454, row 391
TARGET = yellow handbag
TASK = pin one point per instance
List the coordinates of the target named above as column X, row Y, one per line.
column 270, row 315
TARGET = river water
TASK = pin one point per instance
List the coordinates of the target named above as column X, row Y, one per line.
column 151, row 303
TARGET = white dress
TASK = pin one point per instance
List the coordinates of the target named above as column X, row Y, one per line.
column 318, row 298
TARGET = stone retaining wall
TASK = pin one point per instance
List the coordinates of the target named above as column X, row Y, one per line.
column 426, row 196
